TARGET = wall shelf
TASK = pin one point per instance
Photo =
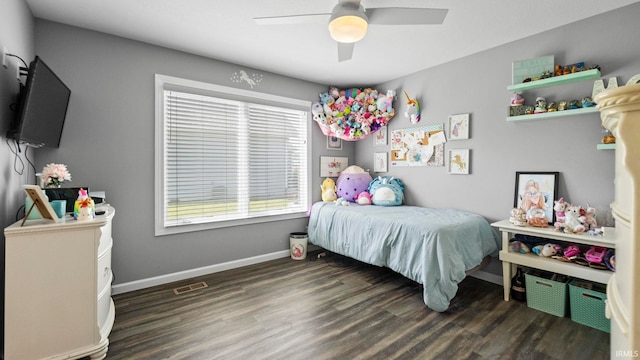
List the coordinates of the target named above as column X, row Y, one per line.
column 553, row 114
column 606, row 146
column 556, row 80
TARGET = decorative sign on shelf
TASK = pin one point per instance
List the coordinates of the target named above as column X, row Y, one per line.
column 531, row 68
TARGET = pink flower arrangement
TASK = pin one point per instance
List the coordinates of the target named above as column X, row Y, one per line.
column 53, row 175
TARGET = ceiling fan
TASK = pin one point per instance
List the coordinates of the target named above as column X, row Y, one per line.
column 349, row 20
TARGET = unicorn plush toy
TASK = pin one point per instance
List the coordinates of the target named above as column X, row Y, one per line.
column 413, row 109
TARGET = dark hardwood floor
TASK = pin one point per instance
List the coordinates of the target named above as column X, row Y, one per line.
column 337, row 308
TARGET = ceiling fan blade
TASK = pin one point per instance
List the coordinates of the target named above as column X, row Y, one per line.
column 293, row 19
column 345, row 51
column 406, row 16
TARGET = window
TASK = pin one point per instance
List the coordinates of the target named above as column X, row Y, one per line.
column 227, row 157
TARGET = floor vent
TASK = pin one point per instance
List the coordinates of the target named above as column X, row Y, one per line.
column 188, row 288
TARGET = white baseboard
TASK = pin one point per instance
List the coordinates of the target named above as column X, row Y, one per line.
column 182, row 275
column 187, row 274
column 487, row 276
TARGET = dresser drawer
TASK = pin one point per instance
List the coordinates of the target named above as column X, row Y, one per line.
column 106, row 241
column 104, row 303
column 104, row 271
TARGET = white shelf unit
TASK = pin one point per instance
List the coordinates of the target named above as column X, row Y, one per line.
column 511, row 259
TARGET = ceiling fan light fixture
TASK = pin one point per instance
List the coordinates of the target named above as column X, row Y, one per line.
column 348, row 23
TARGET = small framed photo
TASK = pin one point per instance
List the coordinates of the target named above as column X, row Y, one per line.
column 332, row 166
column 334, row 143
column 380, row 162
column 459, row 161
column 40, row 203
column 459, row 127
column 535, row 193
column 381, row 136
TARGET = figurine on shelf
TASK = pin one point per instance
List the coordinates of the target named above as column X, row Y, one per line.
column 587, row 102
column 552, row 107
column 575, row 104
column 558, row 70
column 562, row 105
column 608, row 137
column 84, row 209
column 541, row 105
column 516, row 99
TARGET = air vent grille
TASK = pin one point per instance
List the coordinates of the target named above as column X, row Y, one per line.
column 188, row 288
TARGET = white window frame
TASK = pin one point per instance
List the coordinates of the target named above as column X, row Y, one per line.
column 163, row 82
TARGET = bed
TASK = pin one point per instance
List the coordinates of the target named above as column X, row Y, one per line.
column 434, row 247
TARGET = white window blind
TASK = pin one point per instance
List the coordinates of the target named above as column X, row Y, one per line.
column 227, row 160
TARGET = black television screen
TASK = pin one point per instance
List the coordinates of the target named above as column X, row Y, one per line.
column 42, row 108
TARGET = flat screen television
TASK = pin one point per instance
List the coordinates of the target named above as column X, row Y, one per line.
column 42, row 108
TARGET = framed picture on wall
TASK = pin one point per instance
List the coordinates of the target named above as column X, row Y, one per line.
column 334, row 143
column 381, row 136
column 459, row 161
column 535, row 193
column 380, row 162
column 332, row 166
column 459, row 127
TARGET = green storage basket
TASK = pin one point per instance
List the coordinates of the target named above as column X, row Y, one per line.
column 545, row 294
column 588, row 305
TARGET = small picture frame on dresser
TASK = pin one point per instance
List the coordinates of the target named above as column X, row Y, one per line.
column 35, row 193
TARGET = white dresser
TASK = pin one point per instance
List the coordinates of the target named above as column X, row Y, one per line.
column 620, row 113
column 58, row 289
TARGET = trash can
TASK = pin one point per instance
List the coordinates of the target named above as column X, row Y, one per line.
column 298, row 245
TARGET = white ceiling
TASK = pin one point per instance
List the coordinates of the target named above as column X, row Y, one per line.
column 225, row 30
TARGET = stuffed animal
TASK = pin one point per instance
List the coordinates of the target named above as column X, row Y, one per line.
column 518, row 217
column 386, row 191
column 352, row 181
column 588, row 218
column 518, row 246
column 546, row 250
column 328, row 190
column 364, row 198
column 572, row 222
column 560, row 206
column 342, row 202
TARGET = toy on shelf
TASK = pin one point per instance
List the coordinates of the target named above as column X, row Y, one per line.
column 413, row 109
column 353, row 114
column 541, row 105
column 518, row 217
column 608, row 138
column 84, row 208
column 546, row 250
column 574, row 219
column 328, row 190
column 517, row 99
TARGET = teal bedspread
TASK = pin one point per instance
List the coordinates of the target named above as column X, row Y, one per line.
column 433, row 247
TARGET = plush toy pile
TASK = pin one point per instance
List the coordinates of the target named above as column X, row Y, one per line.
column 356, row 185
column 353, row 114
column 574, row 219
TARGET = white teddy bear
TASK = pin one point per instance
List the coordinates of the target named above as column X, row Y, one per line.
column 572, row 223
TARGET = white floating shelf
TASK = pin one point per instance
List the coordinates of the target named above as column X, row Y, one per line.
column 556, row 80
column 554, row 114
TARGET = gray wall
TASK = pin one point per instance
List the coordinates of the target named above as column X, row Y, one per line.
column 16, row 34
column 108, row 144
column 477, row 85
